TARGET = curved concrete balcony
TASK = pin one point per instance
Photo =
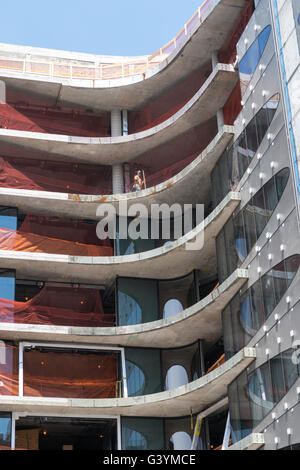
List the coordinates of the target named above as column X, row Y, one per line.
column 181, row 188
column 195, row 396
column 204, row 105
column 202, row 320
column 169, row 261
column 57, row 75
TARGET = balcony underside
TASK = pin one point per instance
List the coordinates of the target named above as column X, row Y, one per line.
column 167, row 262
column 112, row 150
column 203, row 320
column 132, row 92
column 181, row 188
column 195, row 396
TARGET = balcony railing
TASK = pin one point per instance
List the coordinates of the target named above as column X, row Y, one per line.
column 58, row 68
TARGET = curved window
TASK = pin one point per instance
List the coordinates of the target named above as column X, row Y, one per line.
column 250, row 60
column 235, row 160
column 180, row 441
column 172, row 307
column 256, row 391
column 246, row 313
column 175, row 377
column 240, row 233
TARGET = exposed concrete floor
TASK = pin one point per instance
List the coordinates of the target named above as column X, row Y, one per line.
column 167, row 262
column 190, row 186
column 195, row 396
column 132, row 92
column 201, row 321
column 252, row 442
column 204, row 105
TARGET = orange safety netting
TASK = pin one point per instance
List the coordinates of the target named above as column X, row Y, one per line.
column 60, row 374
column 64, row 306
column 43, row 175
column 67, row 229
column 10, row 118
column 53, row 120
column 30, row 242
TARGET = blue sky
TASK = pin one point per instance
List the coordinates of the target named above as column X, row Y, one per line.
column 116, row 27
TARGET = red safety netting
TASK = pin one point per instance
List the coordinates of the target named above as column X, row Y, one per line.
column 67, row 229
column 10, row 118
column 30, row 242
column 227, row 53
column 34, row 118
column 43, row 175
column 233, row 106
column 60, row 374
column 65, row 306
column 167, row 104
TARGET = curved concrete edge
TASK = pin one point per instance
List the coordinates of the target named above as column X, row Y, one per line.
column 170, row 191
column 195, row 396
column 167, row 262
column 205, row 104
column 202, row 320
column 252, row 442
column 122, row 92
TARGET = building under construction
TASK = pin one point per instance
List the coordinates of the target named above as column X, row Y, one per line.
column 145, row 344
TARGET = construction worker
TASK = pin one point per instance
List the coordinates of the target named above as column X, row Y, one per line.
column 139, row 181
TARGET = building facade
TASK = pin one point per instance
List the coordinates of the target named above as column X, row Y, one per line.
column 166, row 341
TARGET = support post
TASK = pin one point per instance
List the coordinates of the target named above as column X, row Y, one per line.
column 220, row 119
column 117, row 169
column 214, row 59
column 2, row 92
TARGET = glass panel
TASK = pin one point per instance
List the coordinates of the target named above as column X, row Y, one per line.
column 250, row 228
column 257, row 306
column 249, row 62
column 271, row 198
column 281, row 181
column 137, row 301
column 261, row 217
column 230, row 246
column 221, row 256
column 129, row 247
column 272, row 106
column 246, row 318
column 252, row 138
column 239, row 235
column 262, row 123
column 242, row 153
column 268, row 293
column 290, row 369
column 5, row 430
column 142, row 434
column 277, row 378
column 280, row 282
column 291, row 267
column 238, row 336
column 260, row 393
column 143, row 371
column 176, row 377
column 234, row 402
column 227, row 333
column 246, row 423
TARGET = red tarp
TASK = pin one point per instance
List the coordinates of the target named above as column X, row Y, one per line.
column 65, row 306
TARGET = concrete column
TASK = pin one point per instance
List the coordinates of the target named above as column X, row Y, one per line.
column 2, row 92
column 214, row 59
column 117, row 179
column 117, row 170
column 220, row 119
